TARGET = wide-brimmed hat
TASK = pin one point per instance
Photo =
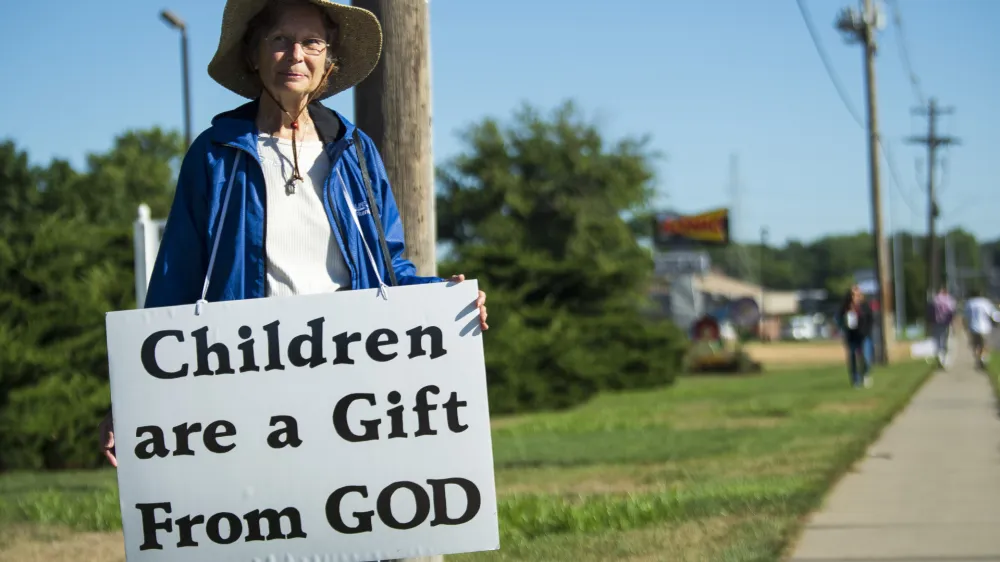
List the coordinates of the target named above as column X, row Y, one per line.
column 358, row 49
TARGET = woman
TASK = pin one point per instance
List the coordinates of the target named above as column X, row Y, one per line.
column 855, row 321
column 283, row 196
column 942, row 316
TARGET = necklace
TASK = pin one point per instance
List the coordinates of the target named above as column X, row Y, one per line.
column 296, row 176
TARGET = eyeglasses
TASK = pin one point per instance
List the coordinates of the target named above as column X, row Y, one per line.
column 283, row 44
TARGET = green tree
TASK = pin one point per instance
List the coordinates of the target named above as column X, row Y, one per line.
column 540, row 211
column 65, row 260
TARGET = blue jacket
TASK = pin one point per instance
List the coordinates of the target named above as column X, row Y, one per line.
column 239, row 270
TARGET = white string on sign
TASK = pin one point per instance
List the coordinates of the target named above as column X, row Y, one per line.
column 354, row 214
column 218, row 234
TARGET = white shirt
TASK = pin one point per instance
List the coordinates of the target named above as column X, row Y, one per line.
column 302, row 253
column 980, row 313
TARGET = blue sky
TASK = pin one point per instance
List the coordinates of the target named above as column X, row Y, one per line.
column 705, row 79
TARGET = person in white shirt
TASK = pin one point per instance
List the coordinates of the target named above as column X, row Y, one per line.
column 980, row 314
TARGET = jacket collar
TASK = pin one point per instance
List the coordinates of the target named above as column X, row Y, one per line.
column 238, row 127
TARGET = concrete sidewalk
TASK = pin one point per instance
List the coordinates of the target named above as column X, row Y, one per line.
column 929, row 488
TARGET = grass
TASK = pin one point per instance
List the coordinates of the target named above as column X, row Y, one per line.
column 715, row 468
column 726, row 467
column 84, row 500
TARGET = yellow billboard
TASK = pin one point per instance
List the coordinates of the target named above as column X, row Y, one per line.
column 708, row 228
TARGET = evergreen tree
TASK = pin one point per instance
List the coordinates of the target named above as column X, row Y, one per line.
column 538, row 211
column 66, row 260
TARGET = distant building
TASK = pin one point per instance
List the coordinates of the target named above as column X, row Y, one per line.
column 689, row 297
column 720, row 289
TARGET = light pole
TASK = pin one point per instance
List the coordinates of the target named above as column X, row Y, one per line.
column 177, row 23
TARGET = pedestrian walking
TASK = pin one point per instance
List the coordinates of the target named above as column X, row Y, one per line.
column 942, row 315
column 855, row 319
column 980, row 315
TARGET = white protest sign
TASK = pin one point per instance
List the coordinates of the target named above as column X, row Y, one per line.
column 336, row 427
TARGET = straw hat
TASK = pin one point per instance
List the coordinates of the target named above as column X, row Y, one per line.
column 359, row 48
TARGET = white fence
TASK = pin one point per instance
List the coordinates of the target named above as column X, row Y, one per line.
column 148, row 232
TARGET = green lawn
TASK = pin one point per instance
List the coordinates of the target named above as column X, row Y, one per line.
column 714, row 468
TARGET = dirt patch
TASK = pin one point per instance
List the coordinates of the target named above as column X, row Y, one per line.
column 614, row 479
column 789, row 464
column 729, row 423
column 828, row 352
column 599, row 479
column 807, row 353
column 505, row 422
column 688, row 541
column 847, row 407
column 41, row 544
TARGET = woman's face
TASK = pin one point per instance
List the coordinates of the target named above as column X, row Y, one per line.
column 856, row 295
column 292, row 55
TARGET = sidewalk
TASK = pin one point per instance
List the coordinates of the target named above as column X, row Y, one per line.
column 929, row 488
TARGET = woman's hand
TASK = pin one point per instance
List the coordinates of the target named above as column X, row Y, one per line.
column 480, row 302
column 106, row 431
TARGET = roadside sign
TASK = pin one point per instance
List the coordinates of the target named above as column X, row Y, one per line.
column 704, row 229
column 681, row 263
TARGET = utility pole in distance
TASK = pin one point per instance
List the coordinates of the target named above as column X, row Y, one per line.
column 861, row 28
column 763, row 289
column 899, row 289
column 932, row 140
column 392, row 106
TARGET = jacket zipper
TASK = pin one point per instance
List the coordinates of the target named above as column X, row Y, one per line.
column 335, row 156
column 263, row 204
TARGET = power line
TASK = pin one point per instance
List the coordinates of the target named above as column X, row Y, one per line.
column 829, row 67
column 942, row 182
column 904, row 54
column 890, row 161
column 967, row 202
column 807, row 18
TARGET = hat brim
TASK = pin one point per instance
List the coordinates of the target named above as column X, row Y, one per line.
column 358, row 50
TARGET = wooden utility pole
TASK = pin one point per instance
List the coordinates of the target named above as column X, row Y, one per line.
column 932, row 140
column 861, row 28
column 393, row 106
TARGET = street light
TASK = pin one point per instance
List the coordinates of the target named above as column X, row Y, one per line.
column 177, row 23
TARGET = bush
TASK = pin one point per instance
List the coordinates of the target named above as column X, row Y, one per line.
column 53, row 424
column 542, row 213
column 543, row 359
column 53, row 351
column 65, row 261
